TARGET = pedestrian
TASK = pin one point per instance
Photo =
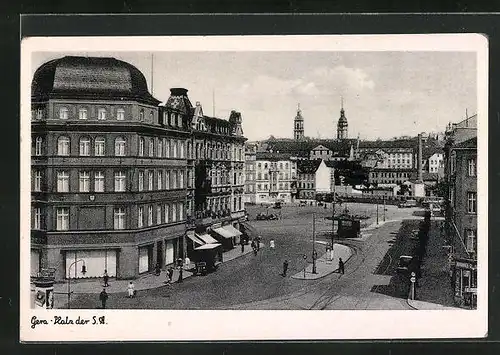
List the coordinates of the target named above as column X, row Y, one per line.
column 259, row 238
column 180, row 275
column 131, row 289
column 106, row 278
column 271, row 243
column 341, row 266
column 285, row 267
column 103, row 296
column 242, row 242
column 170, row 274
column 158, row 269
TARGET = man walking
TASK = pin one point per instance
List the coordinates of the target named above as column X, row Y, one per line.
column 341, row 266
column 285, row 267
column 103, row 296
column 170, row 274
column 106, row 278
column 131, row 289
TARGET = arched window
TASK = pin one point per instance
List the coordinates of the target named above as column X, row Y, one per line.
column 84, row 146
column 38, row 145
column 120, row 146
column 141, row 115
column 159, row 150
column 63, row 145
column 141, row 146
column 151, row 149
column 99, row 147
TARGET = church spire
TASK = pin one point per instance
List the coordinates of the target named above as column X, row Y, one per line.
column 298, row 124
column 342, row 123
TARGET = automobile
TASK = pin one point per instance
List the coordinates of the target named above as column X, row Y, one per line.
column 405, row 263
column 408, row 203
column 265, row 217
column 277, row 205
column 302, row 203
column 320, row 203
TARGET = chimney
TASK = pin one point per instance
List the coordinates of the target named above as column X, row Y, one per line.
column 419, row 159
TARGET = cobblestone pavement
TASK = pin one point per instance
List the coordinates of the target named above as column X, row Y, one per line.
column 255, row 281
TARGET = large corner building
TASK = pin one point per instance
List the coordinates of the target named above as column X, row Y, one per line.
column 114, row 171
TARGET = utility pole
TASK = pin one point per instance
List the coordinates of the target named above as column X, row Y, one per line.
column 333, row 211
column 377, row 211
column 384, row 208
column 314, row 244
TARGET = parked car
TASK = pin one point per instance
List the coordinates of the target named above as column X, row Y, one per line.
column 266, row 217
column 277, row 205
column 408, row 203
column 303, row 203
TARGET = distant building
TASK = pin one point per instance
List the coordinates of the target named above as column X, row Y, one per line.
column 325, row 177
column 276, row 175
column 390, row 176
column 306, row 178
column 250, row 172
column 342, row 125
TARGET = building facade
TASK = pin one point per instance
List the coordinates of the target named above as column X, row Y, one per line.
column 114, row 173
column 390, row 176
column 250, row 173
column 276, row 177
column 461, row 210
column 306, row 179
column 109, row 184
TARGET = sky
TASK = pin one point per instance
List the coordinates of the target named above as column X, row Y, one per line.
column 385, row 94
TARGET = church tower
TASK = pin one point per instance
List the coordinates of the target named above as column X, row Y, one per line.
column 298, row 122
column 342, row 124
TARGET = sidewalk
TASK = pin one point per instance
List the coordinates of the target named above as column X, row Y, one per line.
column 434, row 291
column 144, row 282
column 325, row 266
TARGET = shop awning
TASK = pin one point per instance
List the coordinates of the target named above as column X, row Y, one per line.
column 223, row 233
column 232, row 230
column 195, row 239
column 208, row 246
column 208, row 239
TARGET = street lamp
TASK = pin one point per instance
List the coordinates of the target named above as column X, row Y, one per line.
column 84, row 270
column 314, row 245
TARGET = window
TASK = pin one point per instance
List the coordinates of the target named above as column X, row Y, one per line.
column 151, row 147
column 159, row 150
column 141, row 181
column 159, row 183
column 62, row 181
column 167, row 180
column 472, row 167
column 151, row 116
column 84, row 181
column 84, row 147
column 63, row 113
column 119, row 181
column 179, row 120
column 37, row 220
column 471, row 202
column 141, row 115
column 101, row 114
column 141, row 146
column 181, row 147
column 174, row 148
column 63, row 146
column 99, row 147
column 82, row 114
column 265, row 166
column 150, row 180
column 174, row 212
column 140, row 217
column 120, row 114
column 62, row 218
column 166, row 211
column 38, row 181
column 181, row 179
column 38, row 146
column 39, row 114
column 150, row 215
column 181, row 211
column 119, row 218
column 120, row 147
column 99, row 181
column 158, row 214
column 167, row 149
column 471, row 240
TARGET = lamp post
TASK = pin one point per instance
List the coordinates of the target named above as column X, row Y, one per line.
column 314, row 245
column 69, row 277
column 384, row 208
column 377, row 211
column 333, row 212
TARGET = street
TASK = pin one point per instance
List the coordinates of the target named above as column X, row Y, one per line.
column 255, row 281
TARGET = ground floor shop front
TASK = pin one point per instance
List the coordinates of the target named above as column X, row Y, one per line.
column 464, row 281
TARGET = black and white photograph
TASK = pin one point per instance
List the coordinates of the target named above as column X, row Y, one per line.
column 254, row 187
